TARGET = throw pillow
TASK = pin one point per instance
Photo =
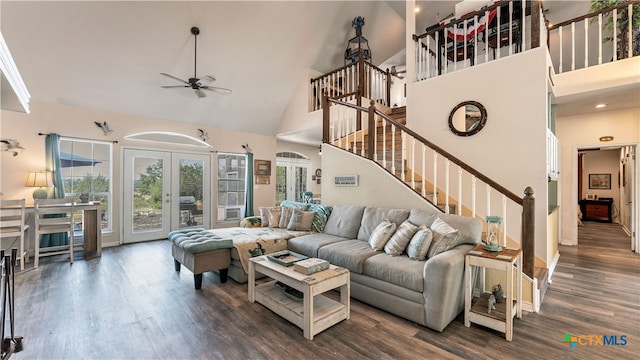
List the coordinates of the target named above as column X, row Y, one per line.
column 287, row 211
column 322, row 213
column 419, row 244
column 381, row 234
column 273, row 216
column 264, row 214
column 400, row 239
column 301, row 220
column 445, row 237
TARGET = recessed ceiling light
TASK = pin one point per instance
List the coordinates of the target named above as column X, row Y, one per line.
column 416, row 9
column 600, row 106
column 606, row 138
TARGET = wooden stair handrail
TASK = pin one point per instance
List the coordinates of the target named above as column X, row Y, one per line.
column 594, row 14
column 527, row 241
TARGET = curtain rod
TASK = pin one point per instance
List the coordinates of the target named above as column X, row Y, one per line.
column 79, row 138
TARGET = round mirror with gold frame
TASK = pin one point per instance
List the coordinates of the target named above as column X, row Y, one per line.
column 467, row 118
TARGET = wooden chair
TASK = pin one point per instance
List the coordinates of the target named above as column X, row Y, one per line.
column 12, row 225
column 53, row 216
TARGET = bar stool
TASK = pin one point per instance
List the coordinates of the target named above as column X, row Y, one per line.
column 12, row 224
column 53, row 216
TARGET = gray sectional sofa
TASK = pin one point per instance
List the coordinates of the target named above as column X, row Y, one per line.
column 429, row 292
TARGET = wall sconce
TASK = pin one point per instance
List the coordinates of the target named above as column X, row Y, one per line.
column 39, row 180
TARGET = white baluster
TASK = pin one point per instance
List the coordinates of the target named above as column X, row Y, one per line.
column 446, row 184
column 504, row 221
column 413, row 159
column 573, row 46
column 403, row 139
column 560, row 36
column 459, row 190
column 488, row 199
column 424, row 190
column 384, row 143
column 600, row 39
column 364, row 120
column 473, row 196
column 428, row 58
column 445, row 59
column 439, row 67
column 475, row 43
column 586, row 43
column 486, row 37
column 435, row 177
column 393, row 149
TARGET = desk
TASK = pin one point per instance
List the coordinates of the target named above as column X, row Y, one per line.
column 91, row 227
column 475, row 309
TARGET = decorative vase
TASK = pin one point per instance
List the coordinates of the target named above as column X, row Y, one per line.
column 497, row 293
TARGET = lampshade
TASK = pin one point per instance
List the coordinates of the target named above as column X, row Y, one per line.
column 39, row 179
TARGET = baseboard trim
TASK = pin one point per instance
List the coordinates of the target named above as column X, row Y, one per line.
column 553, row 265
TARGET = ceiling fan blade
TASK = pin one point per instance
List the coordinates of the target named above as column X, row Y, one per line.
column 219, row 90
column 174, row 86
column 173, row 77
column 207, row 78
column 200, row 93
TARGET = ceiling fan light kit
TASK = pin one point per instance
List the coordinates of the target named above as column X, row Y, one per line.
column 194, row 82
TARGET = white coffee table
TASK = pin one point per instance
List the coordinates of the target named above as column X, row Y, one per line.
column 315, row 312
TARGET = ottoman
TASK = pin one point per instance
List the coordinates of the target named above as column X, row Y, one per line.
column 200, row 251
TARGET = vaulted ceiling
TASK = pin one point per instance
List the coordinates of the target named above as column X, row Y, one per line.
column 109, row 54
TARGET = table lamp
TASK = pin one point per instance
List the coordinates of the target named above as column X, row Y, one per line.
column 39, row 180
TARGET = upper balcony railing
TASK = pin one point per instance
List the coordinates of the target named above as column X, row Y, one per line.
column 502, row 29
column 352, row 82
column 590, row 39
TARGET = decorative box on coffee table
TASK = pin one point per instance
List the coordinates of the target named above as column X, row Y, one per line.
column 315, row 312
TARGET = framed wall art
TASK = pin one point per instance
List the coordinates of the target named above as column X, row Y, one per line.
column 263, row 167
column 600, row 181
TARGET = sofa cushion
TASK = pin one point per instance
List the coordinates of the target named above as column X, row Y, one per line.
column 420, row 243
column 399, row 270
column 382, row 234
column 345, row 221
column 445, row 237
column 309, row 244
column 400, row 239
column 301, row 220
column 264, row 214
column 470, row 228
column 273, row 216
column 322, row 213
column 373, row 216
column 423, row 216
column 349, row 254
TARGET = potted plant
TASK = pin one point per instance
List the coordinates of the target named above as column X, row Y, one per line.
column 622, row 23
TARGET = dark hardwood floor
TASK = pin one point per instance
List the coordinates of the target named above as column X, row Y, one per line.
column 131, row 304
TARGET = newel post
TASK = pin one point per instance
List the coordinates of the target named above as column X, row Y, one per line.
column 528, row 232
column 372, row 131
column 388, row 88
column 535, row 23
column 325, row 118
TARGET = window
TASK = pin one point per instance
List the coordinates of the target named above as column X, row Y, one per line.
column 87, row 170
column 232, row 179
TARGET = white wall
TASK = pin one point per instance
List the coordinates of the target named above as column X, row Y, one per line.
column 79, row 122
column 583, row 131
column 376, row 186
column 511, row 149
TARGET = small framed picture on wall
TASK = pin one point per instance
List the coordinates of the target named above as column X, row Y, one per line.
column 600, row 181
column 263, row 167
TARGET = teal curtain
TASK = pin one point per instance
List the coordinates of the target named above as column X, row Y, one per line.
column 248, row 207
column 52, row 161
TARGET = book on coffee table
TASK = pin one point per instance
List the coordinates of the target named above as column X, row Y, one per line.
column 310, row 266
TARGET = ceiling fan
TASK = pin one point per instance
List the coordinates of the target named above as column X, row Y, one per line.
column 197, row 84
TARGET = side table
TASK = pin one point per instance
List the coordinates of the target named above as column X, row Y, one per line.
column 475, row 308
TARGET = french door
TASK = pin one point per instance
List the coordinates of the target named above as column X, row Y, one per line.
column 292, row 179
column 164, row 191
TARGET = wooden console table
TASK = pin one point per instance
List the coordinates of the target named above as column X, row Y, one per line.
column 597, row 210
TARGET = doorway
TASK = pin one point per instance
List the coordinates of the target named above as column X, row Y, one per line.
column 293, row 177
column 164, row 191
column 607, row 187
